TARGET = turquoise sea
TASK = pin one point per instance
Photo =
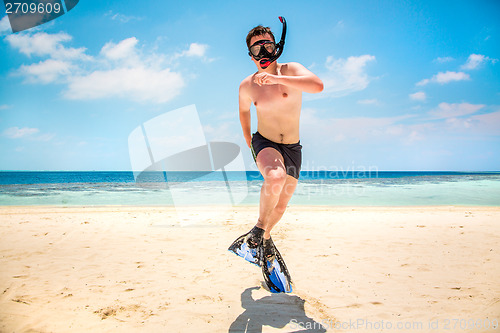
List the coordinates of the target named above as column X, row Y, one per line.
column 329, row 188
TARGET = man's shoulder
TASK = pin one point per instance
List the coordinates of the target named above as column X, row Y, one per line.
column 290, row 64
column 247, row 82
column 290, row 67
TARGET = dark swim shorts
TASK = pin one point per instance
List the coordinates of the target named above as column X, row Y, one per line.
column 292, row 153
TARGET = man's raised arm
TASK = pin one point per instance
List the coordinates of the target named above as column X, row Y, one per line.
column 298, row 77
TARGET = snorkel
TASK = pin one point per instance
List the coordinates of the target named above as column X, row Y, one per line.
column 264, row 63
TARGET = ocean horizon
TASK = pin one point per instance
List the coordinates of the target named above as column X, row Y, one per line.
column 320, row 187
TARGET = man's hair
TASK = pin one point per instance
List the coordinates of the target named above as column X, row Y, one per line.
column 259, row 31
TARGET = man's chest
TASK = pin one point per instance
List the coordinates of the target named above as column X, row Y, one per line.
column 266, row 97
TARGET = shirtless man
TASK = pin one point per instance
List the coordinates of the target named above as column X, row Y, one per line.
column 276, row 91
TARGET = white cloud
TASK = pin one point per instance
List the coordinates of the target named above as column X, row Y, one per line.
column 121, row 70
column 350, row 129
column 345, row 76
column 123, row 50
column 347, row 138
column 17, row 133
column 44, row 137
column 223, row 131
column 446, row 77
column 44, row 44
column 135, row 75
column 122, row 17
column 475, row 60
column 139, row 83
column 4, row 106
column 418, row 96
column 482, row 124
column 369, row 102
column 32, row 134
column 446, row 110
column 443, row 60
column 196, row 50
column 5, row 25
column 488, row 123
column 46, row 71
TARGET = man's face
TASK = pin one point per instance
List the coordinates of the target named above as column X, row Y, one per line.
column 261, row 38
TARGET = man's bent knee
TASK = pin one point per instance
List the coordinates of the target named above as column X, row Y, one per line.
column 275, row 176
column 274, row 182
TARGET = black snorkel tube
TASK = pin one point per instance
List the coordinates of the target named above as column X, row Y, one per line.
column 264, row 63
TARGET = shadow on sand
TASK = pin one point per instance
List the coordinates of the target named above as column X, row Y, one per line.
column 276, row 310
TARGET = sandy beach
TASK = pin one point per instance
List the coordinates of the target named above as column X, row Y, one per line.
column 138, row 269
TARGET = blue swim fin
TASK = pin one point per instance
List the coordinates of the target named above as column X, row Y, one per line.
column 249, row 246
column 274, row 269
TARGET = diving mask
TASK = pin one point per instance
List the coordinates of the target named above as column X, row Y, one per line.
column 262, row 49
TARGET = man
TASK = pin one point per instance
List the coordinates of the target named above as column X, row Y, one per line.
column 276, row 91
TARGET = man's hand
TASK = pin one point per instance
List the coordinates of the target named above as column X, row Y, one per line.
column 265, row 79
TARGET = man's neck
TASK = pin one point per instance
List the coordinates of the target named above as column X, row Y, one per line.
column 272, row 69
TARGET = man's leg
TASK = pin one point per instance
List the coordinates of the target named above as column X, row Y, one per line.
column 271, row 166
column 279, row 210
column 276, row 191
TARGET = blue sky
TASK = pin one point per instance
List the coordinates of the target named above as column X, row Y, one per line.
column 411, row 85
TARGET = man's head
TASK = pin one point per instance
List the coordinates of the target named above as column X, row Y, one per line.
column 262, row 46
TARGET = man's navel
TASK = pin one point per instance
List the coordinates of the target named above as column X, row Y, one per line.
column 285, row 95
